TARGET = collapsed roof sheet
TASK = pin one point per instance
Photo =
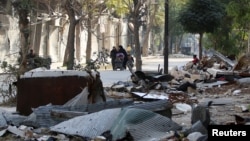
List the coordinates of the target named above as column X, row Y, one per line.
column 91, row 125
column 142, row 124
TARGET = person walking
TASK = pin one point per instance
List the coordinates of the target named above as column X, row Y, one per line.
column 122, row 50
column 129, row 49
column 130, row 62
column 113, row 53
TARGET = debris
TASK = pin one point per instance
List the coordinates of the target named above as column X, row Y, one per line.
column 222, row 57
column 241, row 120
column 41, row 116
column 196, row 127
column 243, row 63
column 194, row 136
column 66, row 114
column 90, row 125
column 80, row 99
column 2, row 132
column 162, row 107
column 183, row 107
column 139, row 122
column 184, row 86
column 152, row 95
column 144, row 105
column 244, row 81
column 16, row 131
column 236, row 92
column 100, row 138
column 200, row 113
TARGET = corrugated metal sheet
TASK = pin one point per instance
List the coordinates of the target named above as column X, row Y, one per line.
column 143, row 125
column 158, row 105
column 42, row 116
column 91, row 125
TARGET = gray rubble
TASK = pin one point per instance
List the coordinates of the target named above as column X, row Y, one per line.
column 146, row 105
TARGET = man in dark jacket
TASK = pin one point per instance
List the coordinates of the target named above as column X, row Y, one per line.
column 122, row 50
column 113, row 53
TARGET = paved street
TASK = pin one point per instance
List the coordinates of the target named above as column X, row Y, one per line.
column 149, row 63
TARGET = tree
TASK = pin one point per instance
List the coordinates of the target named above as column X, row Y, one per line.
column 239, row 12
column 73, row 8
column 201, row 16
column 93, row 9
column 134, row 11
column 231, row 38
column 86, row 12
column 223, row 39
column 175, row 29
column 150, row 14
column 23, row 8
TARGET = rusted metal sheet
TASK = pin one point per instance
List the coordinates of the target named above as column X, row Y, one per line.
column 38, row 91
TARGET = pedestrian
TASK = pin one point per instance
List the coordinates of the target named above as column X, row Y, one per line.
column 129, row 49
column 30, row 59
column 195, row 59
column 113, row 53
column 31, row 54
column 122, row 50
column 130, row 62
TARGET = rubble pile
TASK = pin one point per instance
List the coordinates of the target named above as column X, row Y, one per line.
column 151, row 106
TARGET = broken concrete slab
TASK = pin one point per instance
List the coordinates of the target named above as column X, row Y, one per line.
column 222, row 57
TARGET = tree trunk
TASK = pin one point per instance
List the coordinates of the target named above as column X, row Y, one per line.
column 36, row 44
column 179, row 44
column 88, row 49
column 200, row 46
column 25, row 33
column 145, row 42
column 138, row 61
column 78, row 42
column 147, row 33
column 66, row 55
column 70, row 47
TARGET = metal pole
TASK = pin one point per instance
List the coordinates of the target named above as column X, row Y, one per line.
column 166, row 38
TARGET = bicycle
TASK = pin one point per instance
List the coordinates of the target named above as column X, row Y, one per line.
column 102, row 58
